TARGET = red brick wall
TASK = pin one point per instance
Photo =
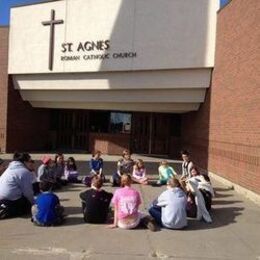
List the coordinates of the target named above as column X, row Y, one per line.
column 28, row 127
column 109, row 143
column 4, row 31
column 21, row 126
column 224, row 135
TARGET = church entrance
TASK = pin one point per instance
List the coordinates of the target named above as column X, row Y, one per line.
column 70, row 129
column 113, row 131
column 151, row 133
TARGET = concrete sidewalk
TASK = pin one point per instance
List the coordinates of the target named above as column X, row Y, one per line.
column 234, row 233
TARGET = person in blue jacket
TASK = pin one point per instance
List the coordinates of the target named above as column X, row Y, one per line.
column 96, row 165
column 47, row 210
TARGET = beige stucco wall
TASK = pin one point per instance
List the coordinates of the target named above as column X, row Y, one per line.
column 146, row 80
column 158, row 91
column 165, row 34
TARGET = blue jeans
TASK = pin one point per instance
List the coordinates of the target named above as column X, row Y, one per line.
column 156, row 213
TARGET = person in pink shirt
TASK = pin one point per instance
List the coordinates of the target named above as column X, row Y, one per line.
column 126, row 201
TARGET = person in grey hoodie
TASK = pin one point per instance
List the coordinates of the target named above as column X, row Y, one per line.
column 16, row 192
column 170, row 208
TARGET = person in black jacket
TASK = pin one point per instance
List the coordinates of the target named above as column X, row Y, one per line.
column 95, row 202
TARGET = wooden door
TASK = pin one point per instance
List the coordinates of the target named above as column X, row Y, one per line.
column 81, row 130
column 140, row 133
column 160, row 133
column 72, row 129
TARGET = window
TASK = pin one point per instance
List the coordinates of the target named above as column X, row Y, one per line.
column 120, row 122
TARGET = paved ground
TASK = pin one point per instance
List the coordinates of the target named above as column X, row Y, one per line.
column 234, row 233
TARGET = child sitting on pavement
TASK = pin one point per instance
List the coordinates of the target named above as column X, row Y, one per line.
column 166, row 172
column 126, row 201
column 59, row 167
column 46, row 170
column 169, row 210
column 124, row 166
column 95, row 202
column 71, row 174
column 139, row 172
column 47, row 210
column 96, row 168
column 187, row 165
column 96, row 165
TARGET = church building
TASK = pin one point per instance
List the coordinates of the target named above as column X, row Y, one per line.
column 150, row 76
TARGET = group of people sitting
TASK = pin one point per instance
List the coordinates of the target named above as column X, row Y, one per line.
column 23, row 191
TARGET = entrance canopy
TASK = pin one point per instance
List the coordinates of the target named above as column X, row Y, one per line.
column 146, row 55
column 156, row 91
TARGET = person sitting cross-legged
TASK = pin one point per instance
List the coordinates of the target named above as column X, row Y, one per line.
column 139, row 172
column 165, row 172
column 47, row 210
column 126, row 202
column 70, row 172
column 170, row 208
column 124, row 166
column 16, row 191
column 95, row 202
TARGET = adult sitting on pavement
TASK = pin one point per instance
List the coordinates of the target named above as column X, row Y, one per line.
column 16, row 192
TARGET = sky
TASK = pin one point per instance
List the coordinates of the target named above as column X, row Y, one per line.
column 6, row 4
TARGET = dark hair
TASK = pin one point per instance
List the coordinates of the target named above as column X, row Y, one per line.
column 21, row 157
column 185, row 152
column 45, row 185
column 57, row 155
column 72, row 166
column 206, row 177
column 196, row 169
column 1, row 161
column 125, row 152
column 97, row 182
column 15, row 155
